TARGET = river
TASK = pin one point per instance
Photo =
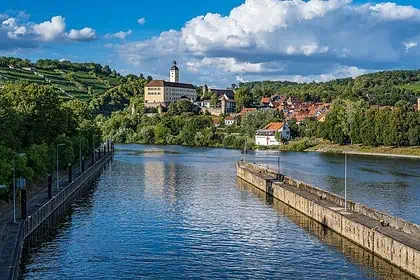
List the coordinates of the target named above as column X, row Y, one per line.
column 170, row 212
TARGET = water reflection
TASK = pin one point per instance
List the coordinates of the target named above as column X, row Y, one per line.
column 180, row 215
column 387, row 184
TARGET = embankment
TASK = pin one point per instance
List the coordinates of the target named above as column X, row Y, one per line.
column 16, row 235
column 393, row 239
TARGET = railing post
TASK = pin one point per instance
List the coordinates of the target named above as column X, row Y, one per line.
column 50, row 182
column 83, row 166
column 70, row 173
column 24, row 200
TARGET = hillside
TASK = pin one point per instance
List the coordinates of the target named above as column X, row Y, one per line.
column 73, row 80
column 381, row 88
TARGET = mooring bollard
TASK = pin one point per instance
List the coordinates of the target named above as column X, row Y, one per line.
column 50, row 182
column 70, row 173
column 24, row 200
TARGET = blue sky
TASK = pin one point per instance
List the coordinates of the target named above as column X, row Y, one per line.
column 219, row 42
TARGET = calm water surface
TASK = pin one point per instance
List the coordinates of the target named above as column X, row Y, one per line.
column 180, row 213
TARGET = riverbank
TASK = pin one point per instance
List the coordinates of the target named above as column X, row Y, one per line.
column 320, row 146
column 324, row 146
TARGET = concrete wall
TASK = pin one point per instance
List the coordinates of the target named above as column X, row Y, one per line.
column 363, row 229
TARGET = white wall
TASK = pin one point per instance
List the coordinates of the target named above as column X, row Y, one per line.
column 261, row 140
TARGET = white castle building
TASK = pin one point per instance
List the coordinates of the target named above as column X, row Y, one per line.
column 162, row 93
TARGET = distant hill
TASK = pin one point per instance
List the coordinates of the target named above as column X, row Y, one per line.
column 381, row 88
column 72, row 80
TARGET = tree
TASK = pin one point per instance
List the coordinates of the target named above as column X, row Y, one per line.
column 367, row 133
column 40, row 108
column 242, row 98
column 214, row 100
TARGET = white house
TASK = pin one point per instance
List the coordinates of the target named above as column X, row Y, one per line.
column 229, row 120
column 203, row 104
column 267, row 135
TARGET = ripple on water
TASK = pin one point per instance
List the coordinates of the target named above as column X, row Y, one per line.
column 181, row 216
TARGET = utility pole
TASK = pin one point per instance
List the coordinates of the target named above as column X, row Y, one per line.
column 278, row 165
column 80, row 154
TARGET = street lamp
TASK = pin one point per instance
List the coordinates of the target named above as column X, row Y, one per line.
column 58, row 178
column 80, row 150
column 93, row 147
column 14, row 184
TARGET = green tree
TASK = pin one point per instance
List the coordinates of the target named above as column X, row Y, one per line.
column 214, row 100
column 243, row 98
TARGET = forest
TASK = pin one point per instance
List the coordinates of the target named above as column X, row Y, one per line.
column 380, row 88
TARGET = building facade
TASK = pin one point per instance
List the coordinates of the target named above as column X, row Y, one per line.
column 267, row 135
column 162, row 93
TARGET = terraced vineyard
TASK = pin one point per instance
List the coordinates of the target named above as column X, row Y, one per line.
column 69, row 84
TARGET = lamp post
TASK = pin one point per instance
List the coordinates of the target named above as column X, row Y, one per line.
column 93, row 147
column 14, row 185
column 345, row 181
column 278, row 165
column 58, row 178
column 80, row 154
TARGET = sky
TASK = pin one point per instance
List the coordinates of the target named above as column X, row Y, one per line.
column 218, row 42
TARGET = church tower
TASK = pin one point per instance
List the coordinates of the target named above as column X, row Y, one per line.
column 174, row 73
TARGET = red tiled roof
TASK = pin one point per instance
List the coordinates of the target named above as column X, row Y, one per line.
column 274, row 126
column 265, row 100
column 230, row 118
column 247, row 110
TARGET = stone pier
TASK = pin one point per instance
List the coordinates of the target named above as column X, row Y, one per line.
column 393, row 239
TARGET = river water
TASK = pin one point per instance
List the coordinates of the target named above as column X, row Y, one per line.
column 169, row 212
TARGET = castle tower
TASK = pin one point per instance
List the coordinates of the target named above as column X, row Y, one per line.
column 205, row 89
column 174, row 73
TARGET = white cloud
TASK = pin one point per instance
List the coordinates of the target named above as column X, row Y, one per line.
column 141, row 21
column 50, row 30
column 274, row 38
column 85, row 34
column 393, row 11
column 119, row 35
column 10, row 22
column 18, row 32
column 409, row 45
